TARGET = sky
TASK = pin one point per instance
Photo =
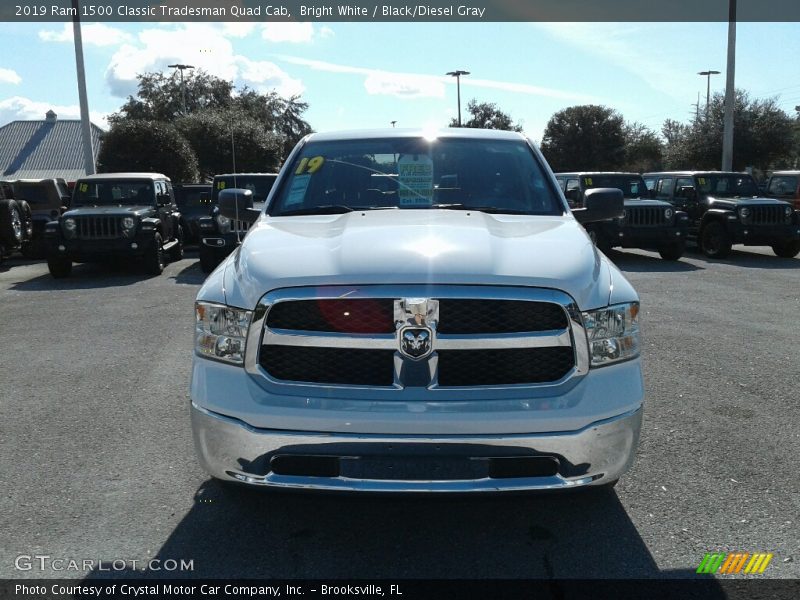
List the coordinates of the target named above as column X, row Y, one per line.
column 365, row 75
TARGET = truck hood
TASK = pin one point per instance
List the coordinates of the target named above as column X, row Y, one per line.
column 416, row 247
column 117, row 210
column 736, row 201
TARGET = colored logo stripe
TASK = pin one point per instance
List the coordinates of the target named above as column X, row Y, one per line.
column 734, row 562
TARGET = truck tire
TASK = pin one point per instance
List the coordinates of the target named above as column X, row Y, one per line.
column 59, row 266
column 715, row 241
column 11, row 224
column 154, row 259
column 26, row 215
column 787, row 249
column 672, row 251
column 208, row 260
column 176, row 252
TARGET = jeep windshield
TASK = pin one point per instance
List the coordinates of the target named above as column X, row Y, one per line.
column 631, row 186
column 497, row 176
column 731, row 185
column 111, row 193
column 260, row 185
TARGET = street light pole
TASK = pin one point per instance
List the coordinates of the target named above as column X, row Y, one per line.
column 457, row 75
column 708, row 75
column 86, row 125
column 727, row 135
column 181, row 67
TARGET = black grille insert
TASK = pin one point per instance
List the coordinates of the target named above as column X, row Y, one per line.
column 98, row 228
column 343, row 366
column 458, row 316
column 504, row 367
column 645, row 216
column 372, row 315
column 767, row 215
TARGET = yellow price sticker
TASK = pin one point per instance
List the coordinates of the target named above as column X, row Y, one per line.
column 587, row 180
column 310, row 165
column 220, row 185
column 701, row 180
column 84, row 187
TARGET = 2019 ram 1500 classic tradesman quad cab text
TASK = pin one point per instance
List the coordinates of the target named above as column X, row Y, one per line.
column 417, row 312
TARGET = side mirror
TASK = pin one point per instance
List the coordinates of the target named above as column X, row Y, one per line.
column 651, row 193
column 237, row 203
column 163, row 199
column 572, row 195
column 600, row 204
column 688, row 192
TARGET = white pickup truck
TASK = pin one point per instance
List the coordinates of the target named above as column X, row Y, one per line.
column 417, row 311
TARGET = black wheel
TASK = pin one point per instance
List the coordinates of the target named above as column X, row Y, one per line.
column 12, row 229
column 154, row 259
column 208, row 260
column 672, row 251
column 27, row 219
column 176, row 252
column 59, row 266
column 715, row 241
column 787, row 249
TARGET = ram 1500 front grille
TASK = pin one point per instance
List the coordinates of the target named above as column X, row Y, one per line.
column 419, row 337
column 98, row 228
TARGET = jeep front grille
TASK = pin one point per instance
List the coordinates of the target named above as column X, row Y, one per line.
column 767, row 215
column 645, row 216
column 98, row 228
column 481, row 337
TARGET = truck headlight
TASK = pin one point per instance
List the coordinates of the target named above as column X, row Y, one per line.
column 668, row 212
column 128, row 225
column 224, row 224
column 612, row 333
column 787, row 212
column 744, row 212
column 221, row 331
column 69, row 226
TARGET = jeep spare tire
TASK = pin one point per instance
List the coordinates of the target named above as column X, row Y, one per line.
column 11, row 224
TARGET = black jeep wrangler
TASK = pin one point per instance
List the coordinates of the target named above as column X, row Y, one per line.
column 219, row 235
column 645, row 223
column 128, row 215
column 194, row 202
column 48, row 198
column 725, row 208
column 16, row 222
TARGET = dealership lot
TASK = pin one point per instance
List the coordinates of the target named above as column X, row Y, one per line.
column 98, row 464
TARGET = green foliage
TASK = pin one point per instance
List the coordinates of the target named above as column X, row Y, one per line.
column 265, row 126
column 211, row 133
column 149, row 146
column 764, row 136
column 643, row 149
column 486, row 115
column 585, row 138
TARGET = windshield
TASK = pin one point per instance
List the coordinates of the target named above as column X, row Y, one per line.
column 33, row 193
column 109, row 193
column 260, row 185
column 727, row 185
column 413, row 173
column 782, row 186
column 192, row 197
column 631, row 186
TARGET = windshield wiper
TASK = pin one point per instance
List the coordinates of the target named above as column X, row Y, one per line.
column 325, row 209
column 486, row 209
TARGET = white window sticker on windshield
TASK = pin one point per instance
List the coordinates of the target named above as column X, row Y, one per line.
column 415, row 180
column 297, row 193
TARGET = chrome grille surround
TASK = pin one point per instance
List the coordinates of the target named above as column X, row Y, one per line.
column 573, row 336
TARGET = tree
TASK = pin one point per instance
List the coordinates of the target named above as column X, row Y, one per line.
column 149, row 146
column 584, row 138
column 763, row 136
column 486, row 115
column 216, row 134
column 160, row 98
column 643, row 149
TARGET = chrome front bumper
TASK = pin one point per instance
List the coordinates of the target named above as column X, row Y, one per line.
column 231, row 450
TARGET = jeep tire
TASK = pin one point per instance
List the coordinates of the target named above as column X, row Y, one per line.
column 788, row 249
column 59, row 266
column 208, row 259
column 154, row 257
column 176, row 252
column 715, row 241
column 672, row 251
column 12, row 227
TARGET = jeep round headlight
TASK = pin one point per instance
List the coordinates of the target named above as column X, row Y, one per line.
column 787, row 211
column 612, row 333
column 128, row 223
column 668, row 212
column 744, row 212
column 221, row 332
column 224, row 224
column 70, row 227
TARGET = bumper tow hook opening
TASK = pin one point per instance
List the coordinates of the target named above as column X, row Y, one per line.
column 522, row 466
column 305, row 466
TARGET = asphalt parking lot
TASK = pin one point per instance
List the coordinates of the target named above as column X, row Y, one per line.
column 97, row 459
